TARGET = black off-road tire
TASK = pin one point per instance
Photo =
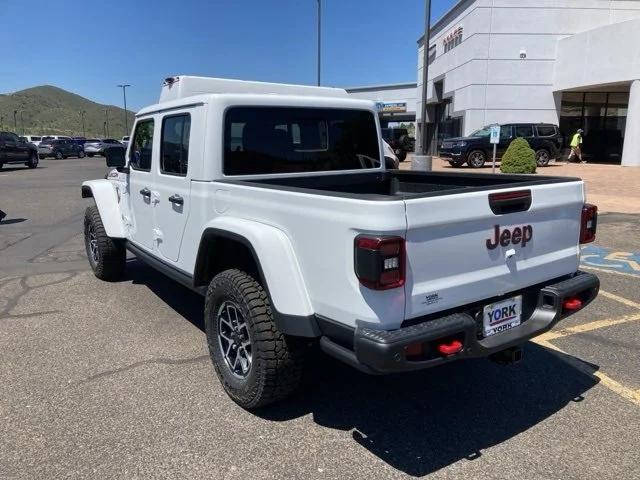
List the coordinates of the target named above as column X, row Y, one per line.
column 543, row 157
column 81, row 154
column 90, row 155
column 402, row 156
column 33, row 160
column 59, row 156
column 109, row 260
column 456, row 163
column 277, row 360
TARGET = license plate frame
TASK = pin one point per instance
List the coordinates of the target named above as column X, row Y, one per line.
column 501, row 316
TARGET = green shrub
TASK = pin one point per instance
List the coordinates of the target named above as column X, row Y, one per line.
column 519, row 158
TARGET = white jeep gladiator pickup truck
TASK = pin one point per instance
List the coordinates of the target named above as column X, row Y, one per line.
column 273, row 201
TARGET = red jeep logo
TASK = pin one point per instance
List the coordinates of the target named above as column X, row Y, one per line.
column 519, row 235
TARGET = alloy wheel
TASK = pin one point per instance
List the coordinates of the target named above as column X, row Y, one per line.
column 234, row 339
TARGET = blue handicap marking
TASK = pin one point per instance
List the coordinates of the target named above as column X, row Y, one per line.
column 607, row 258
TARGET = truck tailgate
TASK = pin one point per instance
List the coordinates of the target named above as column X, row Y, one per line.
column 454, row 258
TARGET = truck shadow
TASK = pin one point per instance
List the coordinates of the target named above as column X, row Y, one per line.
column 421, row 422
column 417, row 422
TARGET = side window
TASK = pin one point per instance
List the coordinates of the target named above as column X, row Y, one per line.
column 505, row 132
column 546, row 130
column 174, row 150
column 524, row 131
column 140, row 153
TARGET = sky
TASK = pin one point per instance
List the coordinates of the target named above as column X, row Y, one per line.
column 89, row 46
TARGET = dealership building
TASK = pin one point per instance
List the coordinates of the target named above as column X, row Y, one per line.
column 395, row 103
column 573, row 63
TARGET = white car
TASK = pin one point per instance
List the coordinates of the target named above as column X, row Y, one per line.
column 272, row 201
column 35, row 139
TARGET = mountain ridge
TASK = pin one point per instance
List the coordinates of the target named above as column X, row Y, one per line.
column 51, row 110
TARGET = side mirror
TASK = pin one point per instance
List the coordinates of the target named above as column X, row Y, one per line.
column 115, row 156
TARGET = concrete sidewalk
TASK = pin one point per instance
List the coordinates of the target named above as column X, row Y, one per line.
column 611, row 187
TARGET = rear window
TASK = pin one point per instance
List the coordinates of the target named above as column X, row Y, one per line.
column 44, row 139
column 264, row 140
column 546, row 130
column 35, row 139
column 92, row 140
column 109, row 140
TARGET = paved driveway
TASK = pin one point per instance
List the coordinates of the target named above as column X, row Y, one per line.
column 113, row 380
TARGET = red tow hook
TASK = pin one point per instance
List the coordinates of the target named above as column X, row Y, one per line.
column 454, row 346
column 572, row 304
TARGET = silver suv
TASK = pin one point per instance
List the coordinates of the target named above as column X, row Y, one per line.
column 95, row 146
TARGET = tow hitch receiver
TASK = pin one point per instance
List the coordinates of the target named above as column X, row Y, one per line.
column 507, row 357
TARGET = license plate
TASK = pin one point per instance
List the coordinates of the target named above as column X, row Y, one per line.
column 501, row 316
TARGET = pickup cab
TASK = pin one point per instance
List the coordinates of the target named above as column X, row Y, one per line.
column 273, row 201
column 14, row 150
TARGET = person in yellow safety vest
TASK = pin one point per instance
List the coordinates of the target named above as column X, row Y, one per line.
column 576, row 146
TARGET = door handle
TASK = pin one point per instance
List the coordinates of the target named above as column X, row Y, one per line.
column 176, row 199
column 145, row 192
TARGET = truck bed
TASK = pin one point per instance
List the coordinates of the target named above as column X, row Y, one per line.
column 401, row 185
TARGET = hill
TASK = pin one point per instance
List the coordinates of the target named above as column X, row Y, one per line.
column 54, row 111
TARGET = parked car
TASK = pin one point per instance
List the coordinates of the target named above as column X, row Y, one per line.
column 60, row 149
column 16, row 151
column 35, row 139
column 79, row 140
column 56, row 137
column 476, row 149
column 125, row 141
column 95, row 146
column 399, row 140
column 278, row 209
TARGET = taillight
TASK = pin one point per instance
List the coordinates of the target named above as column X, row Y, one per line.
column 588, row 223
column 380, row 261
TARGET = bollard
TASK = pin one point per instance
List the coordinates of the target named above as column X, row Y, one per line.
column 421, row 163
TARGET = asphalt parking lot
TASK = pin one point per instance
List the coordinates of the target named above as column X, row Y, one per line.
column 113, row 380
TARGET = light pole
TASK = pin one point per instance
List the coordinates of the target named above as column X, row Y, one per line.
column 422, row 161
column 104, row 126
column 15, row 120
column 1, row 122
column 22, row 122
column 82, row 112
column 124, row 95
column 106, row 123
column 319, row 36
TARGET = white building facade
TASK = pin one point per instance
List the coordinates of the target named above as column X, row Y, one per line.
column 573, row 63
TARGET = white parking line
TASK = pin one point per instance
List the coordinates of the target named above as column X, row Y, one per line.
column 605, row 270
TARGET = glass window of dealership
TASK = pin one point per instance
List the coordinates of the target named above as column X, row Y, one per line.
column 572, row 64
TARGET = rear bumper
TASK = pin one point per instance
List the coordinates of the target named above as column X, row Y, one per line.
column 381, row 351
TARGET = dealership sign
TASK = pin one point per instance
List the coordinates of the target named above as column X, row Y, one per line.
column 391, row 107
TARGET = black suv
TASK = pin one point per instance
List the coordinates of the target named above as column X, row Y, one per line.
column 61, row 148
column 476, row 149
column 14, row 150
column 399, row 140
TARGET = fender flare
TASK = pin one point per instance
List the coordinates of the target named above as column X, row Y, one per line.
column 104, row 194
column 277, row 266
